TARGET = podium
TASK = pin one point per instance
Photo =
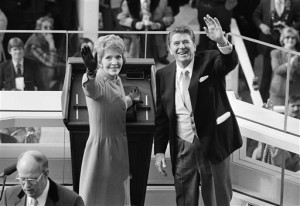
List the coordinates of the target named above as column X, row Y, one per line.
column 139, row 124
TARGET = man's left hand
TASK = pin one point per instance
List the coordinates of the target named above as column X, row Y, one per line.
column 214, row 30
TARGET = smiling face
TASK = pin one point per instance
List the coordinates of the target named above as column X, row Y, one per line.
column 17, row 53
column 290, row 41
column 182, row 48
column 112, row 61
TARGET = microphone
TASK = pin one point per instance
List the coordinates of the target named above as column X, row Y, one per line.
column 9, row 170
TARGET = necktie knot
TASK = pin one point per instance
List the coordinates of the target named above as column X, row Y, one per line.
column 33, row 202
column 185, row 73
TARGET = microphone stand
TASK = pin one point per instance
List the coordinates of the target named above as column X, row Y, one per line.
column 3, row 185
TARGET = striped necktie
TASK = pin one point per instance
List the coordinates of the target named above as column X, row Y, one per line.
column 185, row 80
column 19, row 72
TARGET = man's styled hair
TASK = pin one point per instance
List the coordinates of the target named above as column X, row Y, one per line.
column 182, row 29
column 15, row 42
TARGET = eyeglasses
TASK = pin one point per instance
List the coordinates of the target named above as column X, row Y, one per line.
column 32, row 181
column 47, row 27
column 290, row 37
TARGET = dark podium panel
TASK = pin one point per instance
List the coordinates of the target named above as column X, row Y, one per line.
column 140, row 120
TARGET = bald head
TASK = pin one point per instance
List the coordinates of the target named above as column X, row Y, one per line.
column 33, row 172
column 32, row 159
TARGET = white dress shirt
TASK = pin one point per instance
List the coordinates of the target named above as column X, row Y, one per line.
column 42, row 198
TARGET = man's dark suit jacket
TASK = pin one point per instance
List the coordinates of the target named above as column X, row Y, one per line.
column 57, row 196
column 215, row 121
column 32, row 75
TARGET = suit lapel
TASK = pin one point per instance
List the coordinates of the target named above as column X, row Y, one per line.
column 193, row 88
column 170, row 77
column 20, row 199
column 52, row 198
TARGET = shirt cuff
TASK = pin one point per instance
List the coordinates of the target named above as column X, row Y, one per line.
column 227, row 49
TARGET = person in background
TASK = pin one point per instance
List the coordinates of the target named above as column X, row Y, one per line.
column 273, row 155
column 104, row 177
column 36, row 188
column 154, row 15
column 3, row 26
column 270, row 17
column 41, row 47
column 20, row 73
column 194, row 116
column 222, row 10
column 289, row 39
column 131, row 41
column 110, row 9
column 294, row 106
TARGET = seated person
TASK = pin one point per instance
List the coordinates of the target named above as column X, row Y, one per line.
column 19, row 73
column 36, row 188
column 41, row 47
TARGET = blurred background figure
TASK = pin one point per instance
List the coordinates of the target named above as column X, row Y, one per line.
column 154, row 15
column 222, row 10
column 41, row 47
column 290, row 40
column 273, row 155
column 294, row 106
column 271, row 16
column 109, row 10
column 84, row 41
column 3, row 26
column 132, row 41
column 20, row 73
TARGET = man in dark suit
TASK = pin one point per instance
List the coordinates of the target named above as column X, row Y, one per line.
column 19, row 73
column 194, row 115
column 36, row 188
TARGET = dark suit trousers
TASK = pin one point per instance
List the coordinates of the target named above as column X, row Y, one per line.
column 191, row 168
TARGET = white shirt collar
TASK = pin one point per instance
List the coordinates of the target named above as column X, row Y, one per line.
column 43, row 197
column 188, row 68
column 15, row 63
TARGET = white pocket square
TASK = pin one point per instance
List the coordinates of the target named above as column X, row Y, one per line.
column 202, row 79
column 223, row 117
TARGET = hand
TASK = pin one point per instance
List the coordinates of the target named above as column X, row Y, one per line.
column 50, row 40
column 139, row 25
column 265, row 29
column 168, row 20
column 294, row 60
column 89, row 61
column 214, row 30
column 134, row 94
column 160, row 164
column 155, row 26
